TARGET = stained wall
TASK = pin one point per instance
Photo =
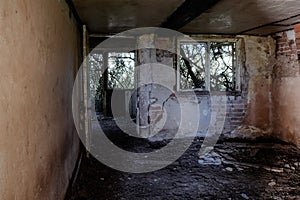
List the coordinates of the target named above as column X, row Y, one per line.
column 286, row 87
column 251, row 106
column 38, row 143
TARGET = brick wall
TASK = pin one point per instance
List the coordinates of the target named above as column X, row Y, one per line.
column 285, row 92
column 286, row 45
column 235, row 112
column 287, row 58
column 297, row 38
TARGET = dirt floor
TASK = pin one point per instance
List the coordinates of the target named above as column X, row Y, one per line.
column 234, row 169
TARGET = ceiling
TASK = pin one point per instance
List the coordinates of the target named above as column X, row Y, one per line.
column 255, row 17
column 246, row 16
column 112, row 16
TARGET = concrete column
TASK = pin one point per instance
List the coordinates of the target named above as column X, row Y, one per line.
column 146, row 56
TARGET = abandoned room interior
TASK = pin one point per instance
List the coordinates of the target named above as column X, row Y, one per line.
column 148, row 99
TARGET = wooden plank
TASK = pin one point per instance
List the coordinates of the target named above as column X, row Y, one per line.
column 86, row 89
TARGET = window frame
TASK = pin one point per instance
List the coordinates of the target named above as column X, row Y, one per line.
column 134, row 69
column 105, row 52
column 200, row 39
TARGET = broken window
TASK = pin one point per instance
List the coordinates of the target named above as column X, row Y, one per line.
column 95, row 77
column 192, row 65
column 119, row 73
column 95, row 72
column 208, row 66
column 121, row 70
column 222, row 72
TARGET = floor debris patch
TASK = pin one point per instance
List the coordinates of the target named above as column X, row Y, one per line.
column 232, row 170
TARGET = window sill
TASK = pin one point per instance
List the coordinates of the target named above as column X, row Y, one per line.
column 209, row 93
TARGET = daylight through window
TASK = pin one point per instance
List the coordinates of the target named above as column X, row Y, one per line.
column 208, row 66
column 121, row 70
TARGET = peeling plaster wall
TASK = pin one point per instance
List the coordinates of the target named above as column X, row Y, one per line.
column 286, row 92
column 252, row 107
column 272, row 66
column 38, row 143
column 165, row 112
column 259, row 63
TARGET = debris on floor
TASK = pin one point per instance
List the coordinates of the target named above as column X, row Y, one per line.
column 234, row 169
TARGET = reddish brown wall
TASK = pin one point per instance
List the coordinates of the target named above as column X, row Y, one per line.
column 286, row 90
column 273, row 92
column 259, row 62
column 38, row 144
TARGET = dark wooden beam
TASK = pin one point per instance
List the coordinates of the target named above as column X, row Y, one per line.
column 188, row 11
column 276, row 23
column 74, row 12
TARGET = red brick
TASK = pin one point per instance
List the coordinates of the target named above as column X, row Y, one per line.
column 297, row 34
column 297, row 28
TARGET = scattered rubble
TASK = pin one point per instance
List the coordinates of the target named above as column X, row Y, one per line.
column 248, row 132
column 230, row 171
column 233, row 169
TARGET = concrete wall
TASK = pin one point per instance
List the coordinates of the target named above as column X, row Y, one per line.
column 252, row 106
column 272, row 70
column 285, row 90
column 259, row 60
column 273, row 91
column 38, row 144
column 267, row 72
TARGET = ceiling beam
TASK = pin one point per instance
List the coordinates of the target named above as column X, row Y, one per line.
column 276, row 23
column 188, row 11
